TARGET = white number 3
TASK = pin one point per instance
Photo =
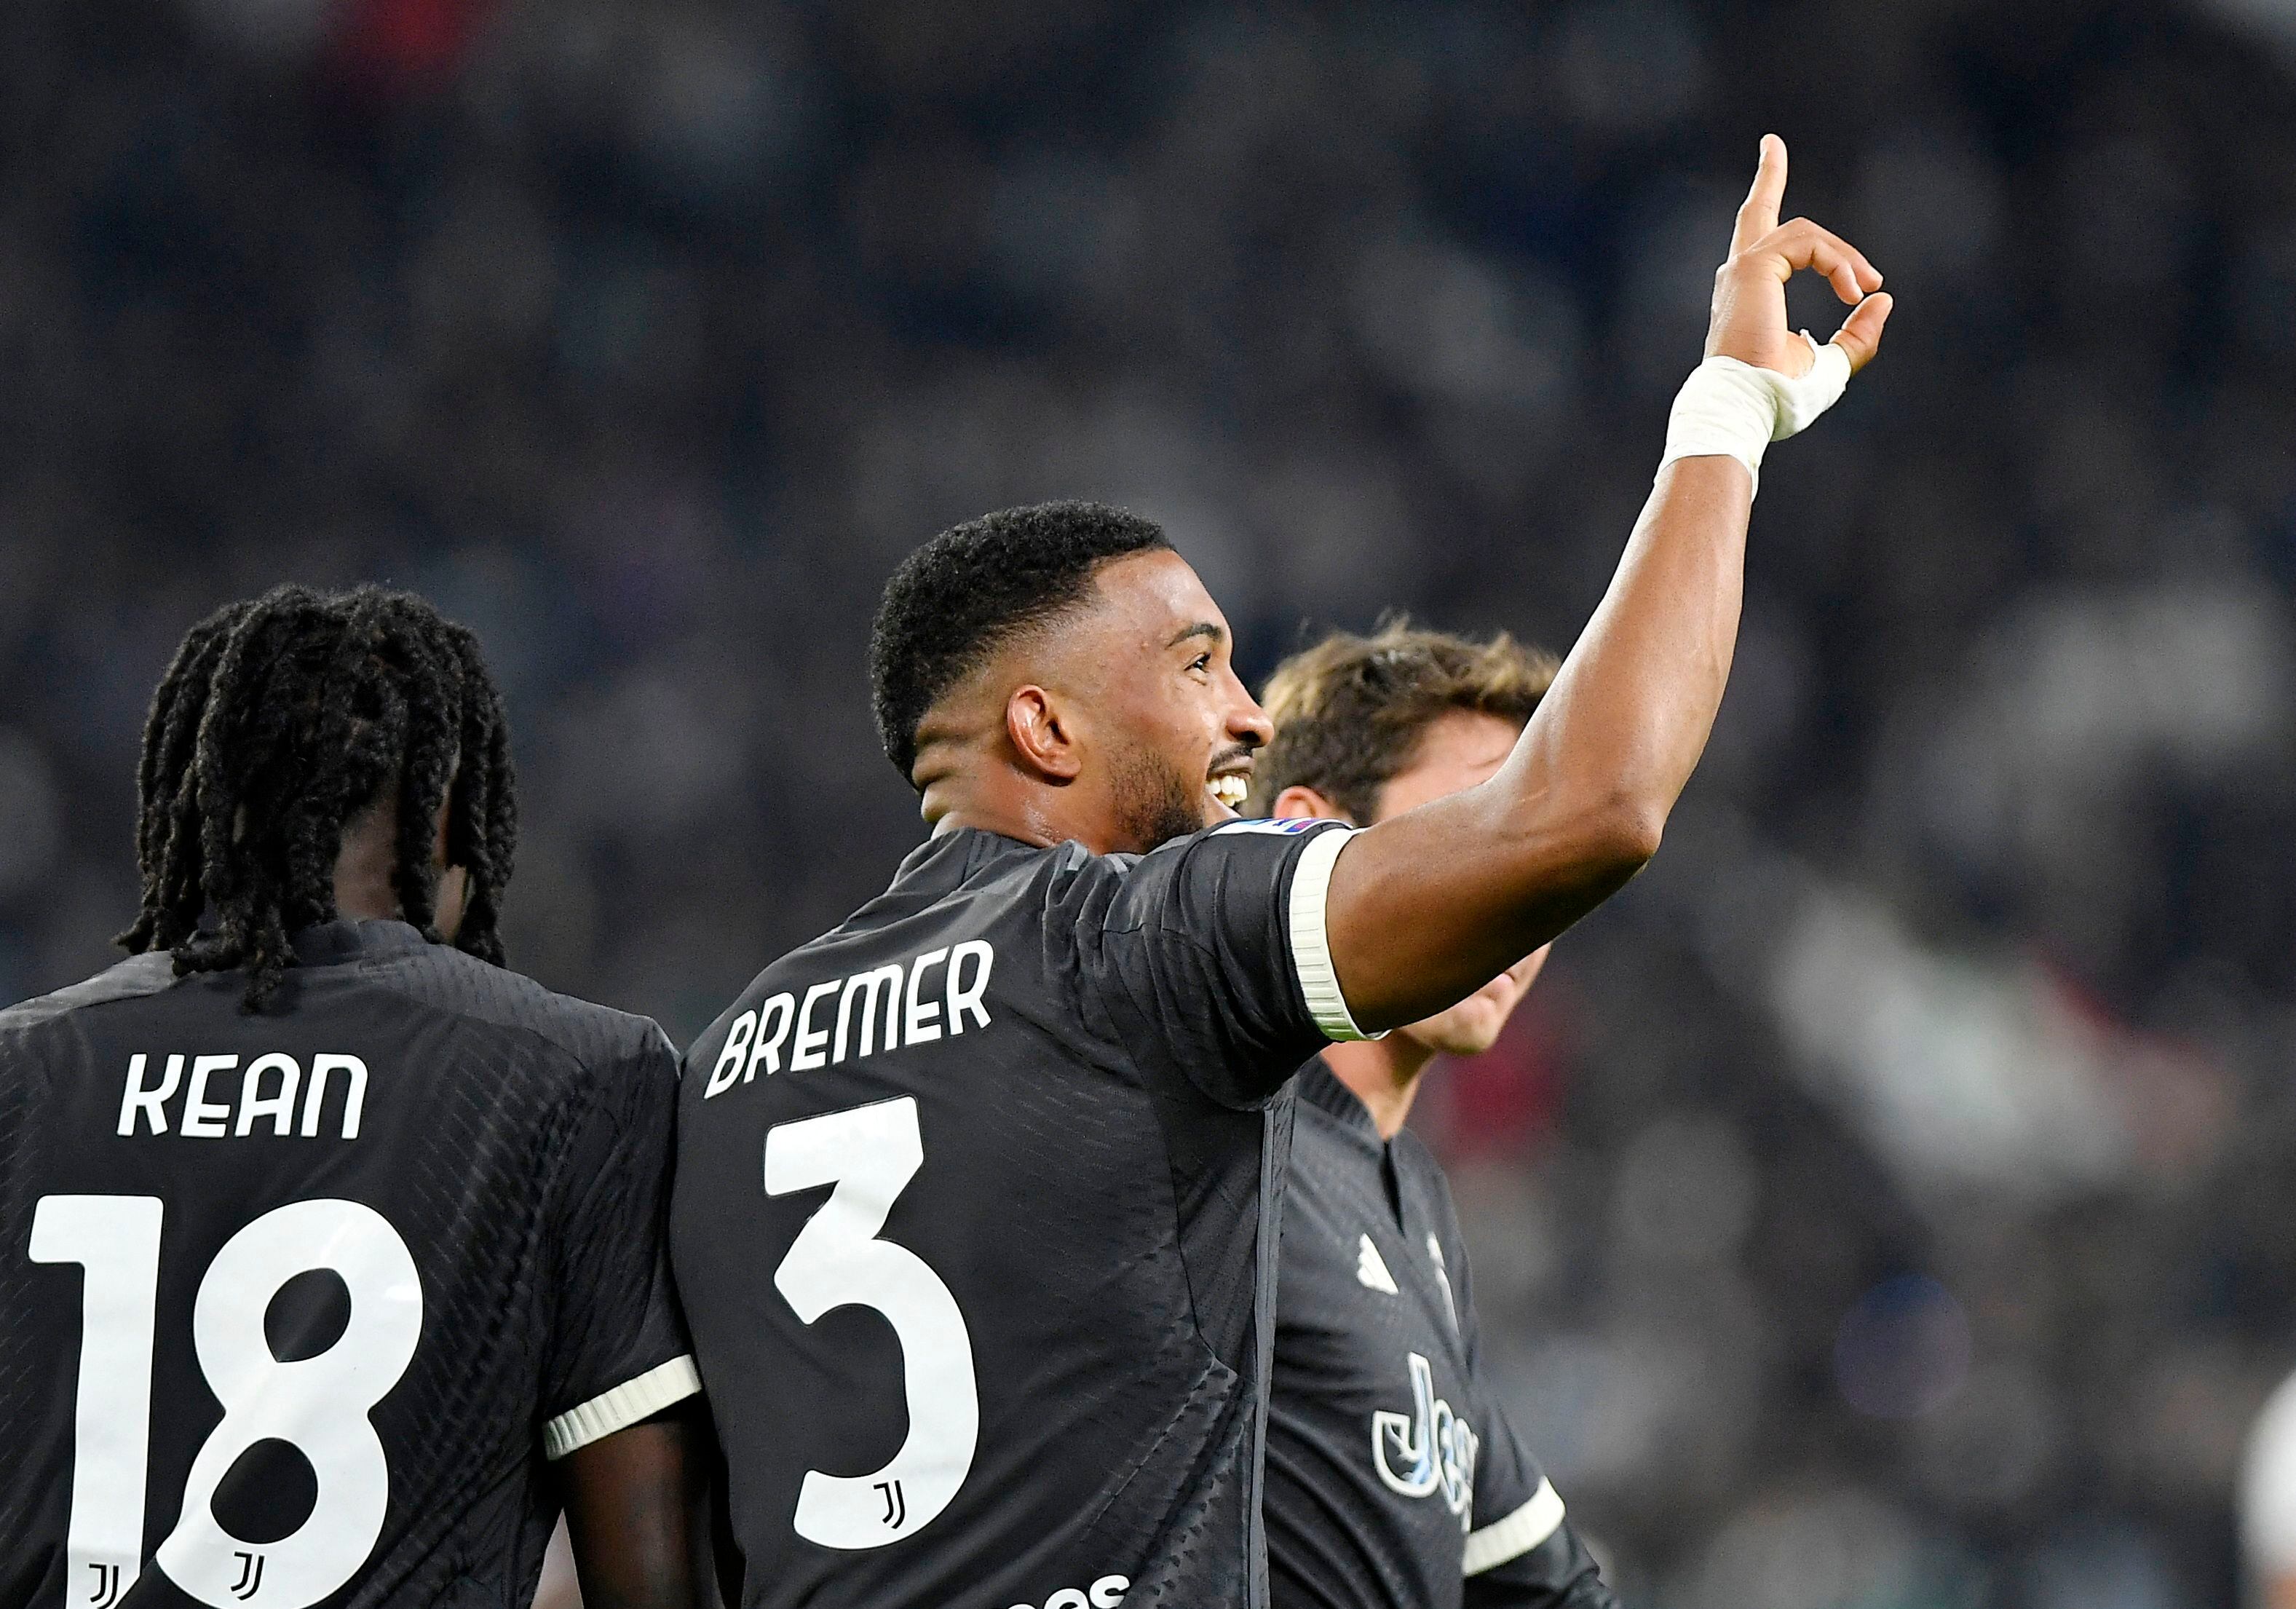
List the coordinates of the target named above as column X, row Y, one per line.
column 319, row 1405
column 870, row 1154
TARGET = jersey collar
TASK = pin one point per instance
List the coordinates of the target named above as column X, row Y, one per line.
column 942, row 862
column 1319, row 1086
column 328, row 943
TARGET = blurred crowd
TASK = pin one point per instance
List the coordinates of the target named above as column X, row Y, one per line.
column 1890, row 1200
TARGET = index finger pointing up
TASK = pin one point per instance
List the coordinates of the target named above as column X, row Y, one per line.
column 1759, row 214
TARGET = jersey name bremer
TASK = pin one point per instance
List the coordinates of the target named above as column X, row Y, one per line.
column 910, row 1002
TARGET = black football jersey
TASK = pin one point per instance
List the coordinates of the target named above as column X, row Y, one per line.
column 974, row 1223
column 293, row 1305
column 1393, row 1480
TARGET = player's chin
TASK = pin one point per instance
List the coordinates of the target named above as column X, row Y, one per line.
column 1468, row 1029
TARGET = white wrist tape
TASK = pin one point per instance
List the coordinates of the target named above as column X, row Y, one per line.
column 1730, row 409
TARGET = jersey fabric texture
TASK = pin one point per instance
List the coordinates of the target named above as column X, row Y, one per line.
column 294, row 1305
column 1393, row 1479
column 991, row 1328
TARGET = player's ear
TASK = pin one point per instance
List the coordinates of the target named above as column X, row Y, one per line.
column 1041, row 734
column 1299, row 802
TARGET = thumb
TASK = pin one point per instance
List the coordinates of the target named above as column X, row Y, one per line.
column 1860, row 335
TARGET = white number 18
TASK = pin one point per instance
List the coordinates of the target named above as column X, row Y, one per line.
column 319, row 1405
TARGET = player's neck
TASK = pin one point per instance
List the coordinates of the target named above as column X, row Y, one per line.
column 1383, row 1074
column 366, row 888
column 1015, row 808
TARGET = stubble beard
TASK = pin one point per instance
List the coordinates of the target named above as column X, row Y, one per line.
column 1154, row 803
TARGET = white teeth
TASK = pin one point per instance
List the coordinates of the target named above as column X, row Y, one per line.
column 1230, row 790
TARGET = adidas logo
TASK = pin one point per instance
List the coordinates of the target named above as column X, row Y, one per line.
column 1371, row 1269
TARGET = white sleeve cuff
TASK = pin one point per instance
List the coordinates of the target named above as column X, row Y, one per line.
column 1311, row 946
column 619, row 1408
column 1511, row 1537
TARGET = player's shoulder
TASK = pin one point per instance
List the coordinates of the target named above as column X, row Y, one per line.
column 448, row 980
column 1253, row 839
column 1265, row 827
column 1244, row 849
column 969, row 879
column 136, row 978
column 972, row 863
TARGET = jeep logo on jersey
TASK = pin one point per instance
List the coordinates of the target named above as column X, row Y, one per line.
column 1429, row 1450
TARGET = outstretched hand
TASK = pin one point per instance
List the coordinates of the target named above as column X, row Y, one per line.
column 1750, row 290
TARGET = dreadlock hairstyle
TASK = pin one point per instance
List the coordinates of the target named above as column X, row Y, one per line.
column 278, row 722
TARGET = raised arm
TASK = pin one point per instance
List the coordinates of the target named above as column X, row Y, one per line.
column 1429, row 906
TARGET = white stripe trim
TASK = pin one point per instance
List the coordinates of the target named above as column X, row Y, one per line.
column 1511, row 1537
column 619, row 1408
column 1311, row 948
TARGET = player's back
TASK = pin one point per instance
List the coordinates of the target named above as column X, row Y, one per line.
column 293, row 1302
column 989, row 1329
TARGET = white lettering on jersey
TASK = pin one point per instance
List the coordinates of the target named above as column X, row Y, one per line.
column 964, row 996
column 922, row 1025
column 866, row 985
column 806, row 1054
column 268, row 1087
column 1371, row 1268
column 1432, row 1448
column 879, row 1010
column 1443, row 1276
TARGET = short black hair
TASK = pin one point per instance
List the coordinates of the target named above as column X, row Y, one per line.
column 962, row 596
column 281, row 719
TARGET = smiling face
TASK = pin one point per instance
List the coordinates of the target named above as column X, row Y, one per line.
column 1166, row 731
column 1457, row 750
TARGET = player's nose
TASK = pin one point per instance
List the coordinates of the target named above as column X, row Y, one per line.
column 1248, row 723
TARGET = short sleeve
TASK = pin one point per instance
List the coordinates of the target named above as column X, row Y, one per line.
column 1522, row 1552
column 1214, row 959
column 619, row 1352
column 1556, row 1574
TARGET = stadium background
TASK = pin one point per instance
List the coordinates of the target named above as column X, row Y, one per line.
column 1889, row 1201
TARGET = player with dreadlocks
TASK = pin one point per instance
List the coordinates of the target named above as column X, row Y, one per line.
column 281, row 718
column 331, row 1252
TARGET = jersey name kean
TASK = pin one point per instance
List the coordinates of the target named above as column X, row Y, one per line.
column 268, row 1087
column 910, row 1002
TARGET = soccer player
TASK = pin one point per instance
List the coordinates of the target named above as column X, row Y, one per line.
column 976, row 1192
column 320, row 1233
column 1393, row 1479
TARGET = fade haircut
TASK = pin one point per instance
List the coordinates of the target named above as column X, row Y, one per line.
column 973, row 589
column 1350, row 711
column 277, row 723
